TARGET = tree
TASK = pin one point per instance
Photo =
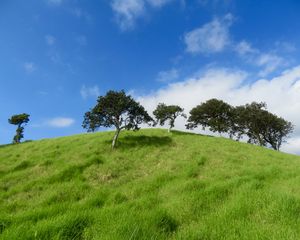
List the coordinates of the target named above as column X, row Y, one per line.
column 164, row 113
column 275, row 129
column 260, row 126
column 20, row 120
column 116, row 109
column 214, row 114
column 250, row 119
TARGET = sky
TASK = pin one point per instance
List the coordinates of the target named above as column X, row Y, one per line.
column 57, row 56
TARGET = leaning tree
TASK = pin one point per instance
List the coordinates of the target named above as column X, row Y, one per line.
column 167, row 113
column 276, row 130
column 250, row 121
column 116, row 109
column 214, row 114
column 262, row 127
column 20, row 120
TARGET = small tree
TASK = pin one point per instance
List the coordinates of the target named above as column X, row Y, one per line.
column 20, row 120
column 214, row 114
column 116, row 109
column 164, row 113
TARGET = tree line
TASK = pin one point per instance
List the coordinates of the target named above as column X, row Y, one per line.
column 119, row 110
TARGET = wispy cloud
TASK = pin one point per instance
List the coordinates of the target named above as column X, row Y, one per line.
column 158, row 3
column 60, row 122
column 128, row 11
column 267, row 61
column 270, row 62
column 215, row 36
column 211, row 37
column 50, row 40
column 167, row 76
column 243, row 48
column 285, row 46
column 86, row 92
column 29, row 67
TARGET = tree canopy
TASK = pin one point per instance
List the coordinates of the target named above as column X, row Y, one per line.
column 20, row 120
column 167, row 113
column 214, row 114
column 260, row 126
column 116, row 109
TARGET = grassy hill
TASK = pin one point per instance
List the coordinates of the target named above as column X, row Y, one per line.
column 155, row 185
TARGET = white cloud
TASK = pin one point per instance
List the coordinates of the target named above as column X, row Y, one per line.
column 214, row 37
column 60, row 122
column 50, row 40
column 158, row 3
column 269, row 62
column 281, row 93
column 29, row 67
column 128, row 11
column 86, row 92
column 292, row 145
column 244, row 48
column 167, row 76
column 211, row 37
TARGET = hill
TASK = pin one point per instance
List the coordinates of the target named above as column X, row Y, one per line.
column 155, row 185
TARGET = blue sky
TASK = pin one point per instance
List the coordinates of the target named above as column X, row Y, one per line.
column 57, row 56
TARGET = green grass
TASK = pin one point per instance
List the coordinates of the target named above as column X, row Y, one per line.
column 155, row 185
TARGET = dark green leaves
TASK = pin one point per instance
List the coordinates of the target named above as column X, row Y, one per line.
column 116, row 109
column 214, row 114
column 19, row 120
column 164, row 113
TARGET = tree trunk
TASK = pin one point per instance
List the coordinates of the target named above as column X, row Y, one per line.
column 169, row 129
column 115, row 138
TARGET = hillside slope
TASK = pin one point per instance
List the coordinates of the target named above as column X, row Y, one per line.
column 155, row 185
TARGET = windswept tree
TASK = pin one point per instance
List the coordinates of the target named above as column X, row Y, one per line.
column 167, row 113
column 262, row 127
column 116, row 109
column 249, row 122
column 214, row 114
column 20, row 120
column 276, row 130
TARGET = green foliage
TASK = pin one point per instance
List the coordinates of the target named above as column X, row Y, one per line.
column 19, row 120
column 252, row 120
column 164, row 113
column 116, row 109
column 214, row 114
column 154, row 185
column 260, row 126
